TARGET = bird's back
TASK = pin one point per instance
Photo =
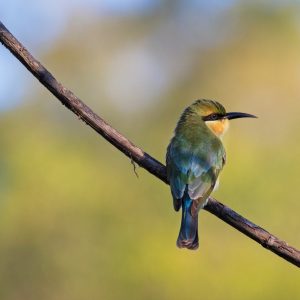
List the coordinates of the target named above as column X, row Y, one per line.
column 195, row 157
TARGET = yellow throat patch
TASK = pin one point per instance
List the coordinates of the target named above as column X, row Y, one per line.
column 218, row 127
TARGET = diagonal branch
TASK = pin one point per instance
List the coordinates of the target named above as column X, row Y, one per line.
column 136, row 154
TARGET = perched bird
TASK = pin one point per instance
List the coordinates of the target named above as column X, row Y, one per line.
column 195, row 157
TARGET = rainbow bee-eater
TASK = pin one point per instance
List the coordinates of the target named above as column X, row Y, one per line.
column 195, row 158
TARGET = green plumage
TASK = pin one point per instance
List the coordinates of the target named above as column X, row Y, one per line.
column 195, row 157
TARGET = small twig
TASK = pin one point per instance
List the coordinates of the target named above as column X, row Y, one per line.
column 136, row 154
column 134, row 167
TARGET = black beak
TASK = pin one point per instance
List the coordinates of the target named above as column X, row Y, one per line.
column 237, row 115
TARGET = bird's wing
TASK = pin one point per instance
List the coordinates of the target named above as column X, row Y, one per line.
column 202, row 183
column 197, row 169
column 177, row 170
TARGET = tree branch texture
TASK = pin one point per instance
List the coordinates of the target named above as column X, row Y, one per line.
column 144, row 160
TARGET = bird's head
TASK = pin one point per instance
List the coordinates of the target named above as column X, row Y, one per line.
column 215, row 116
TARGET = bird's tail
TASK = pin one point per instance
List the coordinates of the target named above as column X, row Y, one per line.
column 188, row 235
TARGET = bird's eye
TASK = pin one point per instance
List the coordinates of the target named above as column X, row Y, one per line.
column 214, row 117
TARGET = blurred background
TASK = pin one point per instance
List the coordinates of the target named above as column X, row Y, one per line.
column 75, row 222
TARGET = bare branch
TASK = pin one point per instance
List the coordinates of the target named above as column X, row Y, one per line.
column 136, row 154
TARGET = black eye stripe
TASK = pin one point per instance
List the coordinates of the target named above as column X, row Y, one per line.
column 212, row 117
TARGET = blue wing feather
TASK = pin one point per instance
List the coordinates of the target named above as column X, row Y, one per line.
column 192, row 168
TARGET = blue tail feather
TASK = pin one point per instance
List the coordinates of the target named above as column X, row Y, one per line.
column 188, row 235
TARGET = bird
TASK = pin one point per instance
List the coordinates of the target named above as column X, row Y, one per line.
column 195, row 157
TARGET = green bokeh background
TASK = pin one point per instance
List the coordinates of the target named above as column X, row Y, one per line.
column 76, row 223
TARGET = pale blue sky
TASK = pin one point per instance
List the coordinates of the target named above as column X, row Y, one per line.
column 37, row 24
